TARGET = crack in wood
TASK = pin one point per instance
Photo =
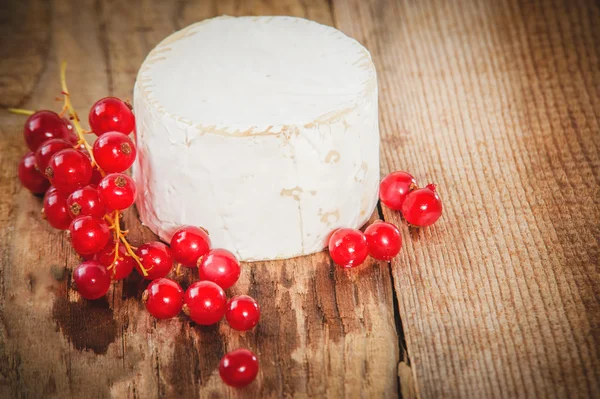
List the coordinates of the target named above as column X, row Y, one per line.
column 402, row 348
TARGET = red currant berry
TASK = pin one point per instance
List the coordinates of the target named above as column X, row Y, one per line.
column 30, row 176
column 188, row 244
column 87, row 256
column 205, row 302
column 348, row 247
column 238, row 368
column 394, row 188
column 45, row 152
column 85, row 202
column 114, row 152
column 72, row 135
column 219, row 266
column 69, row 170
column 422, row 207
column 91, row 279
column 384, row 240
column 117, row 190
column 155, row 258
column 55, row 209
column 89, row 234
column 242, row 312
column 73, row 139
column 119, row 269
column 96, row 178
column 42, row 126
column 111, row 115
column 163, row 298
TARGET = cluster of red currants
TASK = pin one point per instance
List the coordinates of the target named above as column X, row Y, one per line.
column 398, row 191
column 85, row 191
column 204, row 301
column 84, row 186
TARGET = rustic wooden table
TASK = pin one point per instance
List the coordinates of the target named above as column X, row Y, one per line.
column 496, row 101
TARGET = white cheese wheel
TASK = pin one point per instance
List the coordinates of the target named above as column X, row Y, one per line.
column 263, row 130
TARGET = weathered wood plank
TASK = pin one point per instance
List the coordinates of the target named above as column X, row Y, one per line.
column 24, row 45
column 324, row 331
column 47, row 342
column 499, row 103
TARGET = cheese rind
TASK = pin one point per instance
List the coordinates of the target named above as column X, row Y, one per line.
column 263, row 130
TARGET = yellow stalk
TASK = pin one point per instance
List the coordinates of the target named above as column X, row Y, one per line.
column 120, row 236
column 73, row 115
column 21, row 111
column 115, row 225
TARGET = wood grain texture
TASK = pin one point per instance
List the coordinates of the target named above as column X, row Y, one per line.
column 24, row 45
column 324, row 331
column 498, row 102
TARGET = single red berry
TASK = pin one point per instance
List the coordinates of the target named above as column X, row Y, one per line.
column 205, row 302
column 42, row 126
column 219, row 266
column 117, row 190
column 384, row 240
column 188, row 244
column 114, row 152
column 91, row 279
column 73, row 138
column 119, row 269
column 242, row 312
column 89, row 234
column 30, row 176
column 111, row 115
column 155, row 258
column 87, row 256
column 96, row 178
column 163, row 298
column 69, row 170
column 348, row 247
column 72, row 135
column 45, row 152
column 238, row 368
column 422, row 207
column 55, row 209
column 107, row 254
column 394, row 188
column 86, row 201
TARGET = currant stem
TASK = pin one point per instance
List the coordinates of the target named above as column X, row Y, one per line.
column 21, row 111
column 116, row 227
column 68, row 106
column 112, row 265
column 114, row 221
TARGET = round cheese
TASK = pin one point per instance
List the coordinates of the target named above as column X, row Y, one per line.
column 262, row 130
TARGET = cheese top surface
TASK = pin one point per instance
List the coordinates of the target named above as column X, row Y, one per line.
column 256, row 73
